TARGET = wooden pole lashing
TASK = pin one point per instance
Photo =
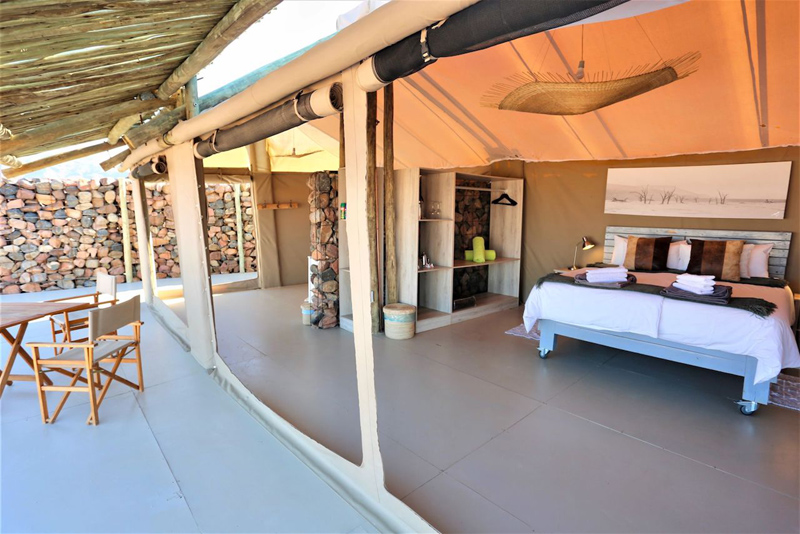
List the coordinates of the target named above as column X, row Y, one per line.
column 237, row 199
column 372, row 227
column 126, row 228
column 388, row 194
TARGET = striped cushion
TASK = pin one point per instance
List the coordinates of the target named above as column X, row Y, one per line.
column 647, row 253
column 720, row 258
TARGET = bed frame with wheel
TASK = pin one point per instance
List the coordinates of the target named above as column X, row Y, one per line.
column 736, row 364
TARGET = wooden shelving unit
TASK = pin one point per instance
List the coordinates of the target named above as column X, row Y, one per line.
column 431, row 290
column 463, row 264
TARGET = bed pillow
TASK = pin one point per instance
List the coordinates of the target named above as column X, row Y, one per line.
column 678, row 257
column 647, row 253
column 744, row 263
column 620, row 247
column 719, row 258
column 758, row 264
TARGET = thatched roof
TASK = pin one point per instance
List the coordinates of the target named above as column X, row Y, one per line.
column 64, row 59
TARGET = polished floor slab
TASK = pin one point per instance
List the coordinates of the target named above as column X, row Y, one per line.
column 479, row 434
column 180, row 457
column 561, row 473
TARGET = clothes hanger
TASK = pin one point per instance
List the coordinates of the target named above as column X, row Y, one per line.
column 501, row 200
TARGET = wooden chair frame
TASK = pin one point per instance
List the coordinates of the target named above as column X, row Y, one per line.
column 92, row 368
column 69, row 326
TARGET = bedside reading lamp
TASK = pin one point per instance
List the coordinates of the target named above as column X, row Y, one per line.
column 585, row 244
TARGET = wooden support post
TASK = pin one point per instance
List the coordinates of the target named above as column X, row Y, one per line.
column 237, row 198
column 126, row 228
column 372, row 209
column 146, row 263
column 388, row 194
column 341, row 140
column 59, row 158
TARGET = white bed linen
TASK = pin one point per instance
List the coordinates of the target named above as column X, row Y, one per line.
column 768, row 339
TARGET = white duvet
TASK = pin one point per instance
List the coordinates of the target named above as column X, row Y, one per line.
column 769, row 339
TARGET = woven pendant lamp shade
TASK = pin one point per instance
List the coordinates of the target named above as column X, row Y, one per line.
column 551, row 94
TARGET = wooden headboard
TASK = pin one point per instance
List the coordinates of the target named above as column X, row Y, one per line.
column 777, row 258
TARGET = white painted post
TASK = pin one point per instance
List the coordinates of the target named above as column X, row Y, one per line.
column 237, row 199
column 355, row 128
column 146, row 264
column 126, row 228
column 189, row 205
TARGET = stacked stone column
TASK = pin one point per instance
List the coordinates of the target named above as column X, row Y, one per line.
column 323, row 200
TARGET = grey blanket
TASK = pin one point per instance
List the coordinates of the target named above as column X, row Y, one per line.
column 721, row 295
column 581, row 279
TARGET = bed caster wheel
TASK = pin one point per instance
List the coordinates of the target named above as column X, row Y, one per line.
column 543, row 353
column 747, row 407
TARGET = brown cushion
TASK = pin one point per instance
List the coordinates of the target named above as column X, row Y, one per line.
column 720, row 258
column 647, row 253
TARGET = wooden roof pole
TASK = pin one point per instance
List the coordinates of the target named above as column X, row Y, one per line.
column 233, row 24
column 388, row 194
column 115, row 160
column 60, row 158
column 29, row 142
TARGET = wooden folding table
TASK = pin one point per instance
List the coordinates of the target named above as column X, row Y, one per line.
column 20, row 314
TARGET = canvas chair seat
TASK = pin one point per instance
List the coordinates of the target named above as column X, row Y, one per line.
column 102, row 349
column 76, row 317
column 103, row 345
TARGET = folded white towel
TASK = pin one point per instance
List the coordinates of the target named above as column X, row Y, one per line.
column 695, row 277
column 614, row 278
column 701, row 284
column 693, row 289
column 619, row 269
column 602, row 276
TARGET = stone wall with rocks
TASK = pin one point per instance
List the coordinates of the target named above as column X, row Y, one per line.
column 324, row 204
column 59, row 234
column 471, row 220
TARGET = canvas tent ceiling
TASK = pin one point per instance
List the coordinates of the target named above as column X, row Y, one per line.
column 302, row 149
column 747, row 77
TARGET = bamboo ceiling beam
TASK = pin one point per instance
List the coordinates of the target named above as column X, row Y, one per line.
column 236, row 21
column 75, row 25
column 31, row 141
column 60, row 158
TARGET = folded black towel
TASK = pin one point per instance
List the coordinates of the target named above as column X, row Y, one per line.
column 721, row 294
column 580, row 279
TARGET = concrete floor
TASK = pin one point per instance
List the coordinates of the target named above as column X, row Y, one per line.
column 180, row 457
column 480, row 435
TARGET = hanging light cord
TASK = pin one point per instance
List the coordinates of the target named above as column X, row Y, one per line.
column 580, row 72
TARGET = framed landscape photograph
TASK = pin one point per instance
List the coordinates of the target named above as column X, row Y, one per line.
column 746, row 191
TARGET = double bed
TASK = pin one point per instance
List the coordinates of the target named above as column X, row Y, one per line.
column 723, row 339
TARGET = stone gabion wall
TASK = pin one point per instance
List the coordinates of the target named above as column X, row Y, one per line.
column 60, row 234
column 324, row 217
column 471, row 220
column 222, row 229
